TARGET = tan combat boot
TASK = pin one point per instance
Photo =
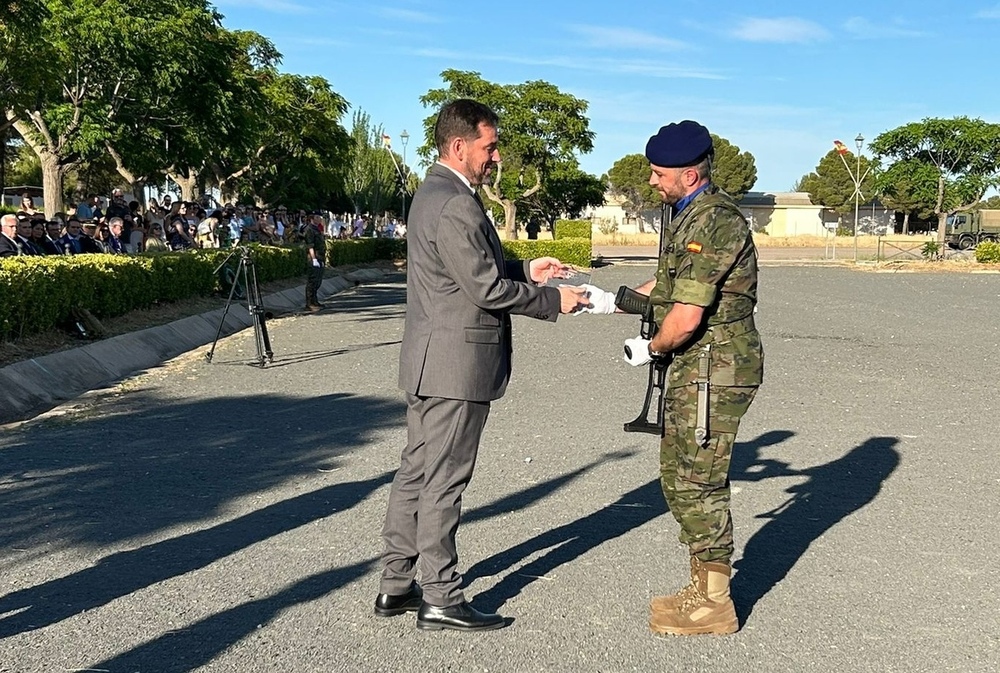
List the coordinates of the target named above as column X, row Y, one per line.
column 670, row 603
column 708, row 609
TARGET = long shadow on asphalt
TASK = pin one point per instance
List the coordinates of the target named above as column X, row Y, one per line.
column 369, row 303
column 123, row 573
column 131, row 472
column 289, row 359
column 199, row 643
column 832, row 492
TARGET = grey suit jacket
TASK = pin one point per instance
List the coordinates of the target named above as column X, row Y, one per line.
column 460, row 293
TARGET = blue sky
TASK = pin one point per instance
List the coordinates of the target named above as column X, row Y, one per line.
column 781, row 79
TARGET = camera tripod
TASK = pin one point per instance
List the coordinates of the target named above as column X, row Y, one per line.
column 246, row 275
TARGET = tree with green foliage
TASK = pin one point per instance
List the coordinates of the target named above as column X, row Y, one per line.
column 992, row 203
column 91, row 59
column 305, row 147
column 908, row 187
column 628, row 180
column 733, row 171
column 371, row 172
column 567, row 192
column 964, row 154
column 540, row 126
column 831, row 185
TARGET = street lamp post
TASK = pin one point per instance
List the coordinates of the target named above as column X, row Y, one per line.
column 405, row 137
column 859, row 143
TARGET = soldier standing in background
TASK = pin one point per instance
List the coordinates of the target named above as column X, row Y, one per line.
column 703, row 296
column 316, row 251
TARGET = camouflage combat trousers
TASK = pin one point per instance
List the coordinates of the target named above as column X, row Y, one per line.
column 314, row 278
column 695, row 479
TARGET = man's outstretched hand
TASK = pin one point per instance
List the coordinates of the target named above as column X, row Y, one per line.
column 544, row 269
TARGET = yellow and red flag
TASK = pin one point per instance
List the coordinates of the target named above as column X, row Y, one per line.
column 840, row 147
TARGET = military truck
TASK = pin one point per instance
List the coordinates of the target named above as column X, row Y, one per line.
column 966, row 230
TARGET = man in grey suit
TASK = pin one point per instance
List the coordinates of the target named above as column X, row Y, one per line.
column 455, row 359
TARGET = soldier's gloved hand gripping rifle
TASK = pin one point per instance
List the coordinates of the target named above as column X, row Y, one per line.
column 629, row 301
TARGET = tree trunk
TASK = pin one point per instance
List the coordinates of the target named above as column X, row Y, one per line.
column 906, row 223
column 510, row 219
column 186, row 184
column 52, row 184
column 942, row 230
column 138, row 188
column 4, row 135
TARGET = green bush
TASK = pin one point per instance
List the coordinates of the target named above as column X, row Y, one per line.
column 988, row 252
column 575, row 251
column 572, row 229
column 361, row 250
column 7, row 210
column 40, row 293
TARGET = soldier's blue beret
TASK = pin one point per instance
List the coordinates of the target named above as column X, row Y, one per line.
column 679, row 145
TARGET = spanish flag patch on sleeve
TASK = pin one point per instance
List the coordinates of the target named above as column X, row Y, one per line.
column 694, row 246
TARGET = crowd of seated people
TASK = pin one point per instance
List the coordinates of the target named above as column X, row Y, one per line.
column 120, row 228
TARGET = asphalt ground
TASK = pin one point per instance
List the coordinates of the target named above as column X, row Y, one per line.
column 221, row 517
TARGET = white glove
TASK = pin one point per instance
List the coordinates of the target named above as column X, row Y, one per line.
column 601, row 301
column 316, row 263
column 637, row 351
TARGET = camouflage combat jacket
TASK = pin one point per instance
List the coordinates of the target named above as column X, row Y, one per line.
column 315, row 239
column 709, row 260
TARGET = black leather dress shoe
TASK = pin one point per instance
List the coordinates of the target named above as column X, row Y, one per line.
column 388, row 605
column 461, row 617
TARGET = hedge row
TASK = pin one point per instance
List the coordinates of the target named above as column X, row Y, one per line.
column 575, row 251
column 40, row 293
column 572, row 229
column 361, row 250
column 988, row 252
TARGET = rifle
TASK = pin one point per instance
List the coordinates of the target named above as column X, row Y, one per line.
column 630, row 301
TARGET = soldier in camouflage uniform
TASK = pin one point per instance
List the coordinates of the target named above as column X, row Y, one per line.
column 703, row 296
column 315, row 242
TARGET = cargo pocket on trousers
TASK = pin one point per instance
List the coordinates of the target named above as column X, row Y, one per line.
column 709, row 465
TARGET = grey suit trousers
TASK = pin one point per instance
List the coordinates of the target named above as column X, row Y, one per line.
column 425, row 502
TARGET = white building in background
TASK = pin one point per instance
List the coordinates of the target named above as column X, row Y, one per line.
column 776, row 213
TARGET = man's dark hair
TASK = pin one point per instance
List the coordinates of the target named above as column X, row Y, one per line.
column 461, row 119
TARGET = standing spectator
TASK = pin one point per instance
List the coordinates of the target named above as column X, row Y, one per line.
column 359, row 227
column 28, row 205
column 177, row 234
column 83, row 209
column 206, row 236
column 117, row 206
column 233, row 227
column 8, row 230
